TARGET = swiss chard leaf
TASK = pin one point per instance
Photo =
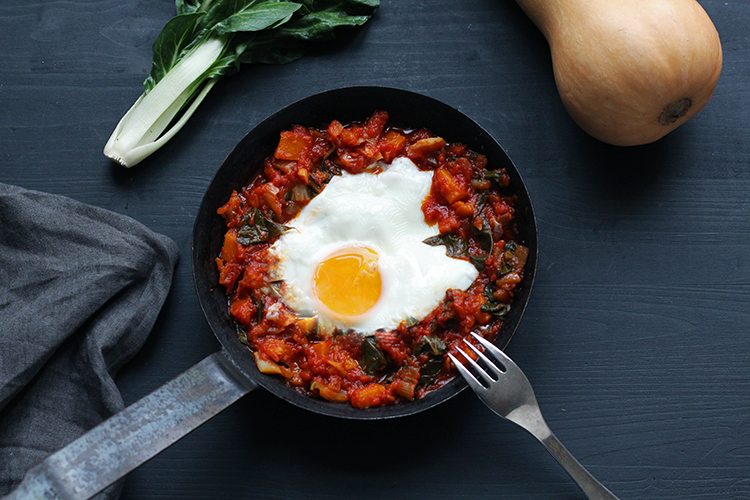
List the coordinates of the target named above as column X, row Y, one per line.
column 258, row 31
column 208, row 39
column 373, row 359
column 258, row 229
column 175, row 37
column 259, row 306
column 187, row 6
column 496, row 309
column 264, row 48
column 430, row 344
column 242, row 336
column 455, row 246
column 504, row 268
column 261, row 16
column 485, row 240
column 315, row 21
column 493, row 175
column 319, row 25
column 430, row 371
column 435, row 348
column 492, row 306
column 362, row 7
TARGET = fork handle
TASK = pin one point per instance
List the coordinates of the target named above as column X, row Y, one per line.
column 593, row 489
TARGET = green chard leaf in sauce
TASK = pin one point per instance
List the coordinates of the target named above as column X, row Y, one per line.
column 455, row 245
column 435, row 348
column 492, row 306
column 373, row 358
column 258, row 229
column 483, row 236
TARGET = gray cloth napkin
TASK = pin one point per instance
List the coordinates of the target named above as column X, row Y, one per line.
column 80, row 290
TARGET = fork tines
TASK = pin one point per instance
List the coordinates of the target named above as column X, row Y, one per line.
column 482, row 371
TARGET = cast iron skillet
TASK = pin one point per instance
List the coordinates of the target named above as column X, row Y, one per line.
column 128, row 439
column 346, row 105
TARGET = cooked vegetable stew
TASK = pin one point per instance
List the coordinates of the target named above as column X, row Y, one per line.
column 473, row 208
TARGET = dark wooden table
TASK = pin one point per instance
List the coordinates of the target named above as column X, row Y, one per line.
column 637, row 337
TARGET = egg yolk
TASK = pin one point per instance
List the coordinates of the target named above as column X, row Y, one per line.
column 348, row 281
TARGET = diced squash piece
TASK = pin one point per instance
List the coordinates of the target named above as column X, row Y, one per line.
column 369, row 395
column 292, row 146
column 322, row 348
column 307, row 325
column 449, row 187
column 229, row 249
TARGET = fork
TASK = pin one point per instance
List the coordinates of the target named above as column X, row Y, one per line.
column 507, row 391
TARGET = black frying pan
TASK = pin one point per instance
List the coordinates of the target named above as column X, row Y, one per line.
column 346, row 105
column 126, row 440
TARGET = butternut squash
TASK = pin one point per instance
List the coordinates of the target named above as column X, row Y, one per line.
column 630, row 71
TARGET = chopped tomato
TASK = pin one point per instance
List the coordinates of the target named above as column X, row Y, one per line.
column 392, row 145
column 231, row 209
column 229, row 273
column 375, row 124
column 450, row 188
column 334, row 130
column 243, row 310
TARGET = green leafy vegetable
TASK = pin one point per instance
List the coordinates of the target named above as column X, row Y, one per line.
column 212, row 38
column 435, row 348
column 455, row 245
column 259, row 305
column 492, row 306
column 410, row 321
column 242, row 336
column 496, row 309
column 493, row 175
column 373, row 358
column 430, row 371
column 484, row 238
column 430, row 344
column 257, row 229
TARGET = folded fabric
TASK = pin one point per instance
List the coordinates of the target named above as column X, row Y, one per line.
column 80, row 290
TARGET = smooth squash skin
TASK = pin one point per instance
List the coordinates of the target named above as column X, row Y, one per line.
column 630, row 71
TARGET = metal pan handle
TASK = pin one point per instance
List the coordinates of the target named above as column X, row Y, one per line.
column 128, row 439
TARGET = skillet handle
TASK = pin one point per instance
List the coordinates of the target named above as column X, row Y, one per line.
column 126, row 440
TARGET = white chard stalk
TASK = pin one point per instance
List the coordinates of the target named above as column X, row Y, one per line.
column 140, row 131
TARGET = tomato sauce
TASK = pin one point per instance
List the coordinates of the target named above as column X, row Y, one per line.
column 474, row 212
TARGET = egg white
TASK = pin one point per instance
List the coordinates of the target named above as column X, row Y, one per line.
column 382, row 212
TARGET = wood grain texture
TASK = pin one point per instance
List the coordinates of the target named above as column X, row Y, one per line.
column 637, row 337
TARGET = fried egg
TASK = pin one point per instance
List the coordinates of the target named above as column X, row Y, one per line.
column 355, row 258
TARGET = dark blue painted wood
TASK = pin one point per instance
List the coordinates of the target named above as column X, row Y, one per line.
column 637, row 337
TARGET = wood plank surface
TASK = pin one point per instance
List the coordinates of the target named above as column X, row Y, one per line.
column 637, row 337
